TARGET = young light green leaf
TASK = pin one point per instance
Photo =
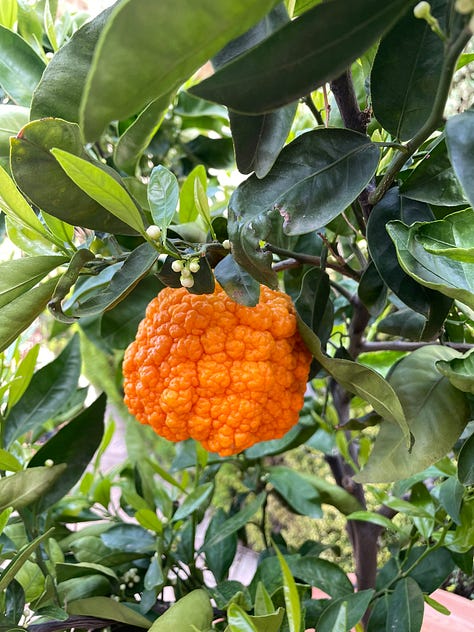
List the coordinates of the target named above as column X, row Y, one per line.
column 105, row 607
column 436, row 413
column 459, row 371
column 194, row 609
column 290, row 592
column 163, row 196
column 239, row 620
column 450, row 237
column 263, row 601
column 8, row 13
column 9, row 462
column 101, row 187
column 187, row 208
column 19, row 275
column 201, row 202
column 20, row 67
column 23, row 375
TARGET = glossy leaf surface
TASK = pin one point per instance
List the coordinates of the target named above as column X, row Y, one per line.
column 352, row 607
column 436, row 412
column 460, row 142
column 328, row 38
column 466, row 462
column 405, row 607
column 237, row 282
column 180, row 37
column 12, row 119
column 20, row 67
column 19, row 275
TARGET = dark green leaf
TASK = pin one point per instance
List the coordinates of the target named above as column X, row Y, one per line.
column 405, row 607
column 432, row 305
column 296, row 436
column 105, row 607
column 436, row 413
column 45, row 395
column 237, row 282
column 19, row 275
column 59, row 92
column 406, row 73
column 34, row 168
column 20, row 67
column 220, row 556
column 453, row 278
column 313, row 301
column 21, row 556
column 17, row 315
column 297, row 492
column 215, row 153
column 460, row 142
column 74, row 444
column 328, row 38
column 136, row 266
column 180, row 38
column 372, row 290
column 82, row 587
column 355, row 604
column 24, row 488
column 322, row 574
column 198, row 499
column 404, row 323
column 466, row 462
column 233, row 524
column 433, row 180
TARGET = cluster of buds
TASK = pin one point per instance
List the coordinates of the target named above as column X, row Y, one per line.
column 187, row 268
column 129, row 579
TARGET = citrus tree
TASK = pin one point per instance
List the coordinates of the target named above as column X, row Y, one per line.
column 297, row 216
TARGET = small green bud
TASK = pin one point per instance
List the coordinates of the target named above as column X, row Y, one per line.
column 422, row 10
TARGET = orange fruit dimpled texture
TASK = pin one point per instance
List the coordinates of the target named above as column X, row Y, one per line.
column 205, row 367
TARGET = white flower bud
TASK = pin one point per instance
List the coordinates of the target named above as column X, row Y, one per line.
column 49, row 463
column 464, row 6
column 153, row 232
column 422, row 10
column 177, row 265
column 186, row 281
column 226, row 244
column 194, row 265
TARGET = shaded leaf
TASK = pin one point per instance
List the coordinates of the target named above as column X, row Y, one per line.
column 406, row 72
column 24, row 488
column 105, row 607
column 405, row 607
column 453, row 278
column 459, row 371
column 198, row 499
column 180, row 38
column 328, row 38
column 466, row 462
column 46, row 393
column 436, row 413
column 296, row 436
column 460, row 142
column 20, row 67
column 295, row 490
column 10, row 571
column 322, row 574
column 237, row 282
column 220, row 556
column 74, row 444
column 372, row 290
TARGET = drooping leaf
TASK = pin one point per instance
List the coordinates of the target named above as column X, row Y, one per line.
column 432, row 305
column 26, row 487
column 433, row 179
column 258, row 139
column 43, row 181
column 59, row 92
column 405, row 606
column 19, row 275
column 237, row 282
column 313, row 304
column 448, row 276
column 17, row 315
column 436, row 413
column 9, row 573
column 45, row 394
column 405, row 74
column 136, row 266
column 459, row 371
column 74, row 444
column 101, row 187
column 180, row 38
column 20, row 67
column 12, row 119
column 328, row 38
column 107, row 608
column 460, row 142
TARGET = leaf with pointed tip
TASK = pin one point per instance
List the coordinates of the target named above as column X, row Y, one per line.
column 180, row 37
column 436, row 413
column 19, row 275
column 328, row 38
column 405, row 606
column 20, row 67
column 466, row 462
column 347, row 610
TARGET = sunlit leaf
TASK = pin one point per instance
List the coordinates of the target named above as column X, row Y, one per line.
column 20, row 67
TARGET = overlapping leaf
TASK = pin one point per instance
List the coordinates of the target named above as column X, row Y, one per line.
column 328, row 38
column 460, row 142
column 20, row 67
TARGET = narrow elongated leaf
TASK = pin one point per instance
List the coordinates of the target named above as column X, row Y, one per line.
column 163, row 196
column 233, row 524
column 12, row 119
column 11, row 570
column 362, row 381
column 46, row 393
column 220, row 556
column 8, row 13
column 258, row 139
column 187, row 208
column 101, row 187
column 17, row 315
column 136, row 266
column 239, row 620
column 290, row 592
column 60, row 91
column 23, row 488
column 328, row 39
column 453, row 278
column 405, row 607
column 198, row 498
column 20, row 275
column 432, row 305
column 436, row 413
column 460, row 142
column 44, row 182
column 20, row 67
column 406, row 72
column 180, row 38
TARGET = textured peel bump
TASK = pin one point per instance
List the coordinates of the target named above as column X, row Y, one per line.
column 205, row 367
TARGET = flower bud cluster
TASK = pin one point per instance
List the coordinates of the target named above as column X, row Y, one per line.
column 129, row 579
column 187, row 268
